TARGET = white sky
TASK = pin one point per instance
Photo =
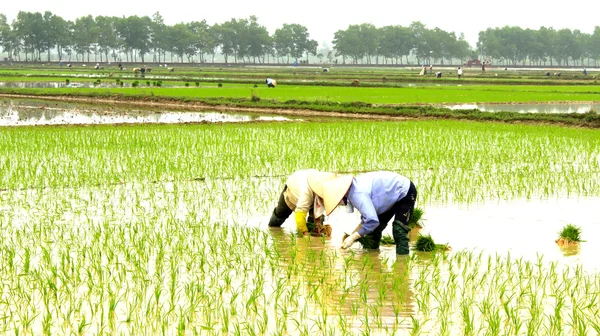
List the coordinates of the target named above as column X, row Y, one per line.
column 323, row 18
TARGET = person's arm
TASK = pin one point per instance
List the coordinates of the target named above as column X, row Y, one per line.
column 302, row 207
column 370, row 221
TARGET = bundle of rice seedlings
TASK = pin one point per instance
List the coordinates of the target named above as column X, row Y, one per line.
column 426, row 244
column 387, row 240
column 569, row 235
column 367, row 242
column 416, row 220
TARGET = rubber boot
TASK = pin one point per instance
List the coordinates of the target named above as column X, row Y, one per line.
column 276, row 221
column 375, row 239
column 400, row 232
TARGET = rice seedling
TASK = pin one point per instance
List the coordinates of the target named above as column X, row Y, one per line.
column 170, row 238
column 569, row 235
column 425, row 243
column 416, row 219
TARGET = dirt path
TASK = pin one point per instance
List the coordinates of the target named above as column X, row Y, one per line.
column 196, row 106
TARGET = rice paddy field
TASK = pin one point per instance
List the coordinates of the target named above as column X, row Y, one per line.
column 162, row 228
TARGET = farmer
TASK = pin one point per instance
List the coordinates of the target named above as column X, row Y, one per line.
column 302, row 194
column 460, row 72
column 271, row 82
column 378, row 196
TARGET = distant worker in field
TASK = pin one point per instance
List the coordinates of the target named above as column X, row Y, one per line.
column 460, row 72
column 584, row 71
column 438, row 74
column 482, row 67
column 271, row 82
column 302, row 194
column 378, row 196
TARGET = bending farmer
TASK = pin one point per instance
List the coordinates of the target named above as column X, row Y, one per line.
column 271, row 82
column 378, row 196
column 302, row 197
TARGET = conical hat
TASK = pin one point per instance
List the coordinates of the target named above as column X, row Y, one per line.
column 317, row 179
column 334, row 191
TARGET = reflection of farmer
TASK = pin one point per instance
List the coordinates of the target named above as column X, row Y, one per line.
column 271, row 82
column 301, row 195
column 378, row 196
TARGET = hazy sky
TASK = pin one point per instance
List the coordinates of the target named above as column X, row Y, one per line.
column 323, row 18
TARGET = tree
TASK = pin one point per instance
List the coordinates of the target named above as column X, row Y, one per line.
column 181, row 40
column 85, row 37
column 203, row 38
column 30, row 30
column 107, row 38
column 258, row 39
column 294, row 40
column 135, row 33
column 158, row 31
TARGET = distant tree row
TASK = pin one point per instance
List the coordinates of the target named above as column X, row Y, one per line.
column 36, row 35
column 365, row 42
column 540, row 47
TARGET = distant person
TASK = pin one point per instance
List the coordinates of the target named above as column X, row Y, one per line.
column 584, row 71
column 431, row 68
column 460, row 72
column 438, row 74
column 271, row 82
column 547, row 73
column 483, row 67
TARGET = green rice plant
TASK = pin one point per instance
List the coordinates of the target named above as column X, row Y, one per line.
column 387, row 240
column 425, row 243
column 416, row 219
column 569, row 235
column 135, row 84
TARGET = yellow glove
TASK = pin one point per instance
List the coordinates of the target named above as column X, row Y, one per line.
column 301, row 222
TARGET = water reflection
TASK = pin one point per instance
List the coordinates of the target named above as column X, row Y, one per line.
column 552, row 108
column 31, row 115
column 370, row 290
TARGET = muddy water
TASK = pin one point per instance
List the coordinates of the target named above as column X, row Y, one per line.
column 523, row 228
column 25, row 114
column 529, row 108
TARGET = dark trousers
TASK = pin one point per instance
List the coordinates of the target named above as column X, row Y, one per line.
column 401, row 211
column 282, row 212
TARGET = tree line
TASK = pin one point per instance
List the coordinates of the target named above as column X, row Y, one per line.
column 36, row 36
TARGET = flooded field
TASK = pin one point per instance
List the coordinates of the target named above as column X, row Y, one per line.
column 25, row 113
column 164, row 229
column 530, row 108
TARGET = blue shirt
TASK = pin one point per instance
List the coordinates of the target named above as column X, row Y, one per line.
column 373, row 194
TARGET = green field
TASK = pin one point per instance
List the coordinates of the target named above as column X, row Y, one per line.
column 162, row 228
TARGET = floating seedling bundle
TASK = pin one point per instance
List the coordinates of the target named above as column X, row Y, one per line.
column 569, row 235
column 426, row 244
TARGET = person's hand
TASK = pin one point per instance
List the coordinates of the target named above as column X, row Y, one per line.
column 350, row 240
column 305, row 234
